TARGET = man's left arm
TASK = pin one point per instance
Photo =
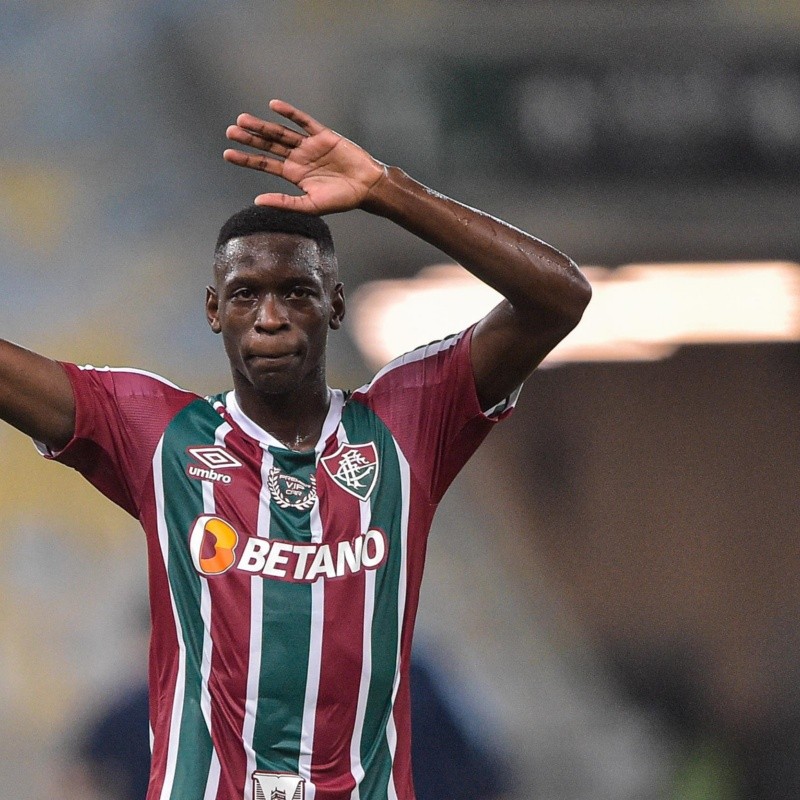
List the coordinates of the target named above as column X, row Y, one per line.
column 545, row 292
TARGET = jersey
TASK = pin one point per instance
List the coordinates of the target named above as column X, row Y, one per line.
column 283, row 585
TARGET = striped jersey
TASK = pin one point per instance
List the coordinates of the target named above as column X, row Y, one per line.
column 283, row 584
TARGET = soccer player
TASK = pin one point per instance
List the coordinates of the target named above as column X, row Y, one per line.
column 286, row 521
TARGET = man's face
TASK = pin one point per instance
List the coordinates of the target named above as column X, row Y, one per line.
column 274, row 300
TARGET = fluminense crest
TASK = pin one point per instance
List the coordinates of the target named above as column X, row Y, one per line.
column 354, row 467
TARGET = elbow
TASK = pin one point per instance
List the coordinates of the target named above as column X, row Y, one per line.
column 583, row 289
column 576, row 298
column 557, row 309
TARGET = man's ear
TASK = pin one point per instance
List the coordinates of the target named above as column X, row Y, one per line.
column 337, row 306
column 212, row 309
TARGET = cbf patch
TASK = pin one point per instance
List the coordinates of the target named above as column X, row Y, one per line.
column 278, row 786
column 354, row 468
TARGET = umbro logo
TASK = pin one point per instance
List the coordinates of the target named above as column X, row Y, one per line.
column 212, row 458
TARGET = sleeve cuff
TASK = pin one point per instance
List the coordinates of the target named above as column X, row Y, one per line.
column 504, row 407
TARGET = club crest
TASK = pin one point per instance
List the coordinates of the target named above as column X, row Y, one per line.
column 290, row 492
column 354, row 467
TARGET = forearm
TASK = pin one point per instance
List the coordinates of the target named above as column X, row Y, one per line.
column 533, row 276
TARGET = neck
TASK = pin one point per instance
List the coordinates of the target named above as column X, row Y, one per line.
column 294, row 418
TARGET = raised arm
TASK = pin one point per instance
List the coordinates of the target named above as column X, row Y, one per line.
column 36, row 396
column 545, row 292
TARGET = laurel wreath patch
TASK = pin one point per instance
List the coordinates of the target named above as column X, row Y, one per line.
column 290, row 492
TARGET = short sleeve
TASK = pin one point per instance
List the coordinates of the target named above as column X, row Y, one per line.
column 120, row 415
column 428, row 400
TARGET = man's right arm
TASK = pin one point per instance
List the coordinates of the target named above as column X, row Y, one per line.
column 36, row 396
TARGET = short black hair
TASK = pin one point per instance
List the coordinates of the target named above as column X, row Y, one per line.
column 265, row 219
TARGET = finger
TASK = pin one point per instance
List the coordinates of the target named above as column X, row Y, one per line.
column 242, row 136
column 253, row 161
column 289, row 202
column 270, row 130
column 305, row 121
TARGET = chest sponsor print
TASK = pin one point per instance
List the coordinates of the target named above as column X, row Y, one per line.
column 216, row 547
column 354, row 468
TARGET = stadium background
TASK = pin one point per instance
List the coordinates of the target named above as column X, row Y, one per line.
column 612, row 587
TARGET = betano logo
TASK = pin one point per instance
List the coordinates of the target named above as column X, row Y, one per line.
column 213, row 544
column 213, row 458
column 221, row 537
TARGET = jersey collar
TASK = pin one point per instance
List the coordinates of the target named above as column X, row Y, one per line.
column 266, row 439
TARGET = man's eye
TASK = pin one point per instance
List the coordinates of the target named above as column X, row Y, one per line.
column 242, row 294
column 299, row 291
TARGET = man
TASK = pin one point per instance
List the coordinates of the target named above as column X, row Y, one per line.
column 286, row 522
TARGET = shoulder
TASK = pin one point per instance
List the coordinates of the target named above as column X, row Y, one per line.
column 138, row 396
column 129, row 376
column 128, row 381
column 426, row 365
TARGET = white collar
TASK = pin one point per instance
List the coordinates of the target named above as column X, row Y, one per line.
column 266, row 439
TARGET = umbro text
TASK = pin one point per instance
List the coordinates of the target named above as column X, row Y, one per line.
column 204, row 474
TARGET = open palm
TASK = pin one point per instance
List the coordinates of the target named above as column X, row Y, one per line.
column 334, row 173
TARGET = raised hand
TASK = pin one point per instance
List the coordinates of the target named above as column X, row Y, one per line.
column 334, row 173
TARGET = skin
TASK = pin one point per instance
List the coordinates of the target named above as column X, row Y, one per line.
column 273, row 302
column 545, row 292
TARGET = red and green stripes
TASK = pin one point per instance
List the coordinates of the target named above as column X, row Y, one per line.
column 179, row 501
column 272, row 674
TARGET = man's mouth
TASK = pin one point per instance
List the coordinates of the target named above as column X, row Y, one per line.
column 271, row 358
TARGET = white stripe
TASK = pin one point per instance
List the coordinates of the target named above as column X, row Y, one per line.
column 209, row 507
column 317, row 614
column 405, row 482
column 256, row 622
column 503, row 405
column 253, row 679
column 314, row 663
column 212, row 781
column 147, row 374
column 180, row 679
column 356, row 767
column 205, row 613
column 413, row 356
column 429, row 350
column 332, row 421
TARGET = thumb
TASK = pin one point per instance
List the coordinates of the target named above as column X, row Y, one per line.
column 289, row 202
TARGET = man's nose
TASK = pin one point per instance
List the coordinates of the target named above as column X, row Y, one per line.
column 271, row 314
